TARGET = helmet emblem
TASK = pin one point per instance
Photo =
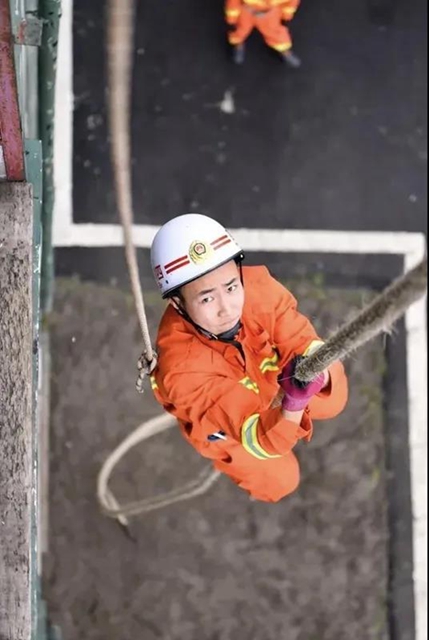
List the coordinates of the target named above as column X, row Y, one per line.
column 200, row 252
column 158, row 272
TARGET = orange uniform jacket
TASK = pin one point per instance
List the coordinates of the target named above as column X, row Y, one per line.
column 212, row 389
column 233, row 8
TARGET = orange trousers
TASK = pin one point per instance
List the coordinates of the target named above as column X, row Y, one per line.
column 269, row 24
column 270, row 480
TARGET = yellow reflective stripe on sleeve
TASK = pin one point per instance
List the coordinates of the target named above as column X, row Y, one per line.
column 249, row 439
column 312, row 347
column 270, row 364
column 249, row 384
column 153, row 383
column 233, row 13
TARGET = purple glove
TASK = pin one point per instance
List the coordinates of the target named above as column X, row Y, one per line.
column 298, row 394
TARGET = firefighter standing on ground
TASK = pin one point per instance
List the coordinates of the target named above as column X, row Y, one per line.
column 227, row 346
column 267, row 17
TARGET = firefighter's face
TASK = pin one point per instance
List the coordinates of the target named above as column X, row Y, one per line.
column 215, row 301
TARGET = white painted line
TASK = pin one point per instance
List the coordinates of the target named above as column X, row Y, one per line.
column 416, row 323
column 63, row 126
column 412, row 246
column 271, row 240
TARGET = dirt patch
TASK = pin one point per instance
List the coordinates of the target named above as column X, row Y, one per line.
column 219, row 567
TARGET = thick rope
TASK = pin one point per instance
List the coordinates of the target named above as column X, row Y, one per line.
column 378, row 317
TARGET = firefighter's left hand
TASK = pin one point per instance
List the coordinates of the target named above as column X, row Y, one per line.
column 297, row 395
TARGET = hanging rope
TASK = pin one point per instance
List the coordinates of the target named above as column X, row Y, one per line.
column 375, row 318
column 120, row 39
column 151, row 428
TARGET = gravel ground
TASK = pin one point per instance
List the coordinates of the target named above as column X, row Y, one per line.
column 219, row 567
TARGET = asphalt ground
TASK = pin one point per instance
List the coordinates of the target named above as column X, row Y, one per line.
column 339, row 144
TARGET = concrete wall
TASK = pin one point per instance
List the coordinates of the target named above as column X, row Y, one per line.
column 17, row 447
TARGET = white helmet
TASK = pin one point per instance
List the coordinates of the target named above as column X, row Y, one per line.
column 188, row 247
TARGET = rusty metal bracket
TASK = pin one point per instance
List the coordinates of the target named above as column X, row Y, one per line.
column 10, row 122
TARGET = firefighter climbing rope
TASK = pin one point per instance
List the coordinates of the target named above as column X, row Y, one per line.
column 374, row 319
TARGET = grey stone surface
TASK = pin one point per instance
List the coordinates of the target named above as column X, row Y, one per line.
column 17, row 447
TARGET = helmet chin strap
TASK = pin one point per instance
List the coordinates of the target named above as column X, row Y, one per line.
column 182, row 312
column 228, row 336
column 225, row 336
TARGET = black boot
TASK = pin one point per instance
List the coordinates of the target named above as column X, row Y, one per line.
column 291, row 59
column 238, row 53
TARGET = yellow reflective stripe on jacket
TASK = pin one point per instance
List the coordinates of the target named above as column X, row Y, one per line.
column 313, row 346
column 249, row 384
column 270, row 364
column 153, row 383
column 249, row 439
column 232, row 13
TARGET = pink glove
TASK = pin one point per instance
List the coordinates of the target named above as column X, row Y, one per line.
column 298, row 394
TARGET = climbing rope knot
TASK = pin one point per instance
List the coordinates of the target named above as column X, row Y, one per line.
column 145, row 367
